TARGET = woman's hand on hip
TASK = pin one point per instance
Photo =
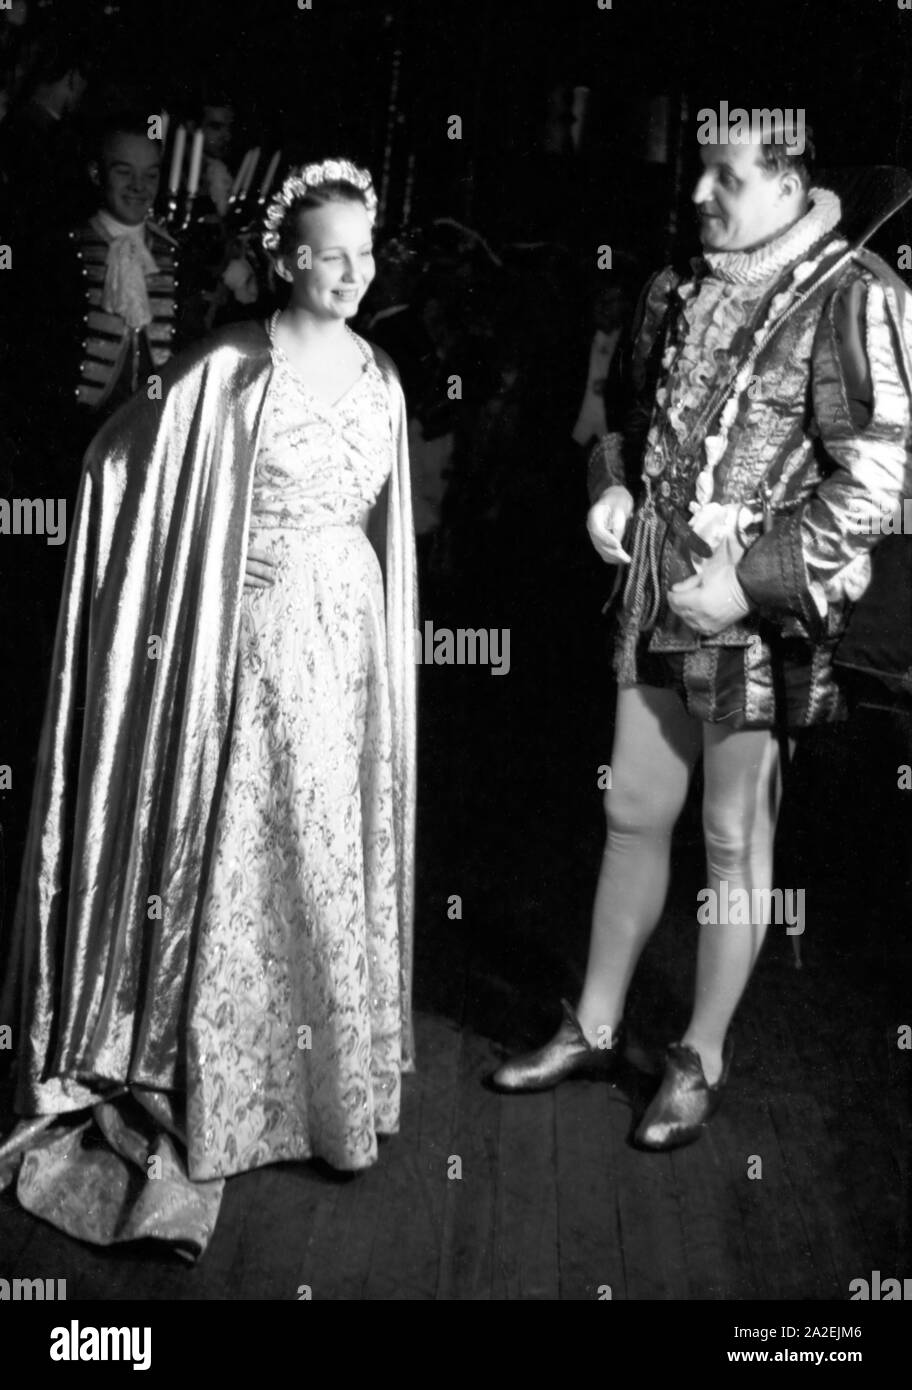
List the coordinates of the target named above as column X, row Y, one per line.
column 260, row 571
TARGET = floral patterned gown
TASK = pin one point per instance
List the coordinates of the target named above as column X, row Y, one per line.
column 294, row 1025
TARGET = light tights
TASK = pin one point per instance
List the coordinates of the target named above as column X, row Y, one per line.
column 656, row 746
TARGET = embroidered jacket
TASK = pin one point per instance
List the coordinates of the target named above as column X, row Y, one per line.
column 810, row 442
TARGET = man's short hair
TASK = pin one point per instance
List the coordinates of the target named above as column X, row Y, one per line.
column 119, row 123
column 779, row 157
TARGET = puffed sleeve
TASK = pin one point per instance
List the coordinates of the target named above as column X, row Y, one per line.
column 814, row 556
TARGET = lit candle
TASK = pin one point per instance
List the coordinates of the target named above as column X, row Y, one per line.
column 239, row 176
column 580, row 103
column 269, row 175
column 254, row 158
column 196, row 164
column 177, row 159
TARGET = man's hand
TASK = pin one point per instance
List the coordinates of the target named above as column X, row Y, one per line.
column 709, row 601
column 259, row 573
column 607, row 522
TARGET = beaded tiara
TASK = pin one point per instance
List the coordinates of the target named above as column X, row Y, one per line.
column 306, row 180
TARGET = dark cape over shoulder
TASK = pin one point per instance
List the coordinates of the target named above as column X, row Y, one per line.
column 138, row 725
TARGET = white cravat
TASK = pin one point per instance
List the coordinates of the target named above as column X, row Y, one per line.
column 129, row 263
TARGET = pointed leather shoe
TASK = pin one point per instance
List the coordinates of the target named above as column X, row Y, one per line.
column 569, row 1053
column 684, row 1102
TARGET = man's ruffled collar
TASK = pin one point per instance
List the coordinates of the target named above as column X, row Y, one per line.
column 758, row 267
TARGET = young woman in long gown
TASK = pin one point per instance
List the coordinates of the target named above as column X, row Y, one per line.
column 211, row 956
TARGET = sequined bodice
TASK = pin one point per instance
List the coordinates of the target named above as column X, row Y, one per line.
column 320, row 464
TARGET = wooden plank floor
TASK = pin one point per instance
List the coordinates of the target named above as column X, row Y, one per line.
column 483, row 1197
column 550, row 1200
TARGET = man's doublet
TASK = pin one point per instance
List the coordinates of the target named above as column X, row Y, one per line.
column 115, row 358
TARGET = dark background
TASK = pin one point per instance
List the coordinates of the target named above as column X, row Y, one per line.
column 318, row 81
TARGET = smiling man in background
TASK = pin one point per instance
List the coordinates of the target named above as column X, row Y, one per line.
column 94, row 312
column 128, row 272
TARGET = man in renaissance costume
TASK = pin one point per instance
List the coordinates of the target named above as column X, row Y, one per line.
column 765, row 443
